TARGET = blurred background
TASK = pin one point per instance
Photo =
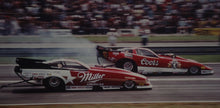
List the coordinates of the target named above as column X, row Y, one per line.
column 98, row 16
column 73, row 28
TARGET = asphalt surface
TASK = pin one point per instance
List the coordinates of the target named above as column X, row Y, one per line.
column 166, row 88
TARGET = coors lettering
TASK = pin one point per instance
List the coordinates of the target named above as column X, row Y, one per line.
column 148, row 62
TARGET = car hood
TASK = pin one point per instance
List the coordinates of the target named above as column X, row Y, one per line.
column 178, row 58
column 118, row 70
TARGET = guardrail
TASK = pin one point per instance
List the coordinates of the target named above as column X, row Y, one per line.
column 71, row 52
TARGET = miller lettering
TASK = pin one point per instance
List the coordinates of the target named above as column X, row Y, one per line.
column 148, row 62
column 90, row 77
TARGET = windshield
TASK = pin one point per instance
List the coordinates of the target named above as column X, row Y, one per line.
column 127, row 50
column 74, row 65
column 68, row 64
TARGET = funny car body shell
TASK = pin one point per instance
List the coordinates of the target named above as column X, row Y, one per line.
column 146, row 61
column 65, row 74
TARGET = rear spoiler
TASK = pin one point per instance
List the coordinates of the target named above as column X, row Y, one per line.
column 102, row 51
column 31, row 63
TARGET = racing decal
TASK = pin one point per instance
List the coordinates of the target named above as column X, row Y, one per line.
column 202, row 67
column 128, row 55
column 38, row 74
column 112, row 58
column 69, row 79
column 115, row 53
column 79, row 87
column 95, row 84
column 149, row 62
column 90, row 77
column 207, row 71
column 174, row 64
column 133, row 78
column 105, row 54
column 27, row 74
column 151, row 70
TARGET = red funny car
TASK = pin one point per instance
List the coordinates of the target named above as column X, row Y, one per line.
column 66, row 74
column 145, row 61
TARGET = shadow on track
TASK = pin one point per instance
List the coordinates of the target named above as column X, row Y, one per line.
column 174, row 74
column 43, row 90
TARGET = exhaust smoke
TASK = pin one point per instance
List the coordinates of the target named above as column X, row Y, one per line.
column 70, row 47
column 54, row 46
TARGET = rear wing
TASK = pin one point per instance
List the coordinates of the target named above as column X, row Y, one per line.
column 102, row 51
column 31, row 63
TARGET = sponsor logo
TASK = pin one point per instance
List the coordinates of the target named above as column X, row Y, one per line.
column 111, row 58
column 133, row 78
column 95, row 84
column 129, row 55
column 174, row 64
column 105, row 54
column 115, row 53
column 90, row 77
column 149, row 62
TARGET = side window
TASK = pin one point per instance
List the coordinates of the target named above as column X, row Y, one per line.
column 145, row 53
column 74, row 66
column 129, row 51
column 58, row 65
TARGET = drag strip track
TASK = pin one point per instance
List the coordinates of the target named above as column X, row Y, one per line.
column 169, row 88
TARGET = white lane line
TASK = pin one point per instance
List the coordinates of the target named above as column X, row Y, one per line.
column 134, row 102
column 8, row 64
column 185, row 79
column 12, row 81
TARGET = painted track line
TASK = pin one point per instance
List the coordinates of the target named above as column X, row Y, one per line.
column 94, row 103
column 185, row 79
column 12, row 81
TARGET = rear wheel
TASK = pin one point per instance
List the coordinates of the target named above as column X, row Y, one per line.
column 194, row 70
column 129, row 85
column 127, row 65
column 54, row 83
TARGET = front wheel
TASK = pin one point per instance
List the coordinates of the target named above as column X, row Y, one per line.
column 129, row 85
column 54, row 83
column 194, row 70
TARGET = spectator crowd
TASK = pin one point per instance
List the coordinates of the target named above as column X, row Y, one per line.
column 98, row 16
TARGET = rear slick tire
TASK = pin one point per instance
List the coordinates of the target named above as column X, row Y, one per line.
column 54, row 84
column 127, row 65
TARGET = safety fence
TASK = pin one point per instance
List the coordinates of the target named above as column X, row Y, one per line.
column 71, row 52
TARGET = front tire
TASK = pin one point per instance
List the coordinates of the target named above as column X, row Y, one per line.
column 54, row 83
column 129, row 85
column 194, row 70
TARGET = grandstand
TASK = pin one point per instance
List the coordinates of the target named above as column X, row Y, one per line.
column 97, row 16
